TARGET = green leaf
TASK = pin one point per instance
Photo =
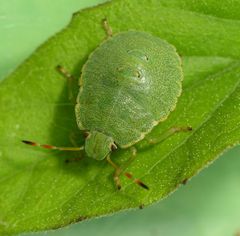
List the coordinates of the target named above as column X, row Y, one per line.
column 40, row 191
column 207, row 205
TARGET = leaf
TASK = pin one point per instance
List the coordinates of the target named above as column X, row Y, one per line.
column 206, row 206
column 40, row 191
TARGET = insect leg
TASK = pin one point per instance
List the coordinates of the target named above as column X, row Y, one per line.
column 133, row 151
column 73, row 138
column 168, row 134
column 107, row 28
column 70, row 78
column 117, row 173
column 64, row 72
column 47, row 146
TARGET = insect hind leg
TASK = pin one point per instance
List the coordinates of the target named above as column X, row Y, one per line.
column 168, row 134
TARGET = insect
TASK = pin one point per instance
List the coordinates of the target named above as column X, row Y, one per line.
column 129, row 84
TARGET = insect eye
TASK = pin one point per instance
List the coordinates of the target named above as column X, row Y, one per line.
column 113, row 147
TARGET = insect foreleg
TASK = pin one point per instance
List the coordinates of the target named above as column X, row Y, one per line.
column 47, row 146
column 117, row 173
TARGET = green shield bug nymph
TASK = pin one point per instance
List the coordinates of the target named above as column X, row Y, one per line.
column 129, row 84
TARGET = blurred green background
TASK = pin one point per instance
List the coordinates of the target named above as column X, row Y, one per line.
column 209, row 205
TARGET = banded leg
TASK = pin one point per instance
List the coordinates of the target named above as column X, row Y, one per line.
column 117, row 173
column 47, row 146
column 119, row 170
